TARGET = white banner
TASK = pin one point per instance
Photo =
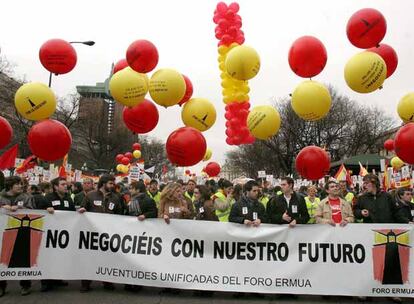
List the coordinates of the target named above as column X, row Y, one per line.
column 358, row 260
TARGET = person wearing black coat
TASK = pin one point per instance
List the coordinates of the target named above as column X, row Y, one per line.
column 142, row 206
column 39, row 200
column 375, row 206
column 248, row 210
column 59, row 199
column 287, row 208
column 405, row 208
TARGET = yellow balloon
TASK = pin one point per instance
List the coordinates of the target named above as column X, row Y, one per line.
column 365, row 72
column 167, row 87
column 128, row 87
column 405, row 108
column 208, row 154
column 119, row 168
column 263, row 121
column 136, row 154
column 396, row 163
column 198, row 113
column 125, row 169
column 242, row 62
column 35, row 101
column 311, row 100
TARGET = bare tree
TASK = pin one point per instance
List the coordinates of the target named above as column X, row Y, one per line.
column 6, row 66
column 348, row 129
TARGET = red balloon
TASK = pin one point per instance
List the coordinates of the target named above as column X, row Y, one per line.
column 49, row 140
column 142, row 56
column 212, row 169
column 6, row 132
column 389, row 55
column 312, row 163
column 221, row 8
column 186, row 147
column 136, row 146
column 234, row 7
column 119, row 158
column 366, row 28
column 58, row 56
column 125, row 161
column 404, row 143
column 250, row 140
column 129, row 155
column 120, row 65
column 188, row 91
column 187, row 171
column 307, row 56
column 389, row 145
column 141, row 118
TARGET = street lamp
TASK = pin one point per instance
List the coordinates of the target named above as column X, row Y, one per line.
column 84, row 167
column 88, row 43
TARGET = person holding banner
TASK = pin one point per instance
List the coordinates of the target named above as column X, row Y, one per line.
column 375, row 206
column 143, row 207
column 172, row 204
column 405, row 212
column 222, row 200
column 334, row 209
column 13, row 198
column 153, row 192
column 312, row 203
column 39, row 199
column 288, row 208
column 191, row 184
column 87, row 186
column 141, row 204
column 203, row 204
column 103, row 200
column 248, row 210
column 59, row 199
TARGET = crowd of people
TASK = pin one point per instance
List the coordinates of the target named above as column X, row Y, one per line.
column 251, row 204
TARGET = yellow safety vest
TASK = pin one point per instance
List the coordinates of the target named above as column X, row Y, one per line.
column 264, row 200
column 223, row 216
column 349, row 197
column 189, row 197
column 312, row 208
column 156, row 198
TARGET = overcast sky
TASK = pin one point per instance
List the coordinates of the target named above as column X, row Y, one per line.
column 183, row 32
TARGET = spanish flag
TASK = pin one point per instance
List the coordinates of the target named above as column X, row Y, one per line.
column 62, row 169
column 343, row 175
column 362, row 170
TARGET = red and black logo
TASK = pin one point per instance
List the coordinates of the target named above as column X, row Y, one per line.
column 21, row 240
column 391, row 256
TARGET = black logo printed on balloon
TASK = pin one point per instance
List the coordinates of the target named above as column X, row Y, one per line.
column 31, row 102
column 365, row 22
column 201, row 121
